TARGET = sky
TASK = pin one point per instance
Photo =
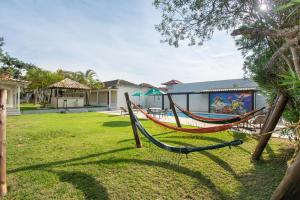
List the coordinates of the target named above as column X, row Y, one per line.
column 116, row 38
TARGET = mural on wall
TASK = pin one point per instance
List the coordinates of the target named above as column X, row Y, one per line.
column 231, row 102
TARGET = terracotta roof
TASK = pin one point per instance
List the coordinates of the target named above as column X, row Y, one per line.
column 69, row 84
column 147, row 85
column 4, row 79
column 13, row 80
column 116, row 83
column 171, row 82
column 164, row 89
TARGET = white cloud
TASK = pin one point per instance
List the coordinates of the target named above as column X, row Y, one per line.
column 118, row 40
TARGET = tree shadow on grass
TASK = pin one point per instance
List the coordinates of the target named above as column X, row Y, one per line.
column 116, row 124
column 207, row 138
column 90, row 187
column 265, row 176
column 164, row 133
column 81, row 181
column 213, row 157
column 270, row 151
column 239, row 135
column 203, row 180
column 62, row 162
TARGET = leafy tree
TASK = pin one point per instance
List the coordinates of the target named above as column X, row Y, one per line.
column 88, row 77
column 39, row 80
column 12, row 66
column 267, row 38
column 269, row 42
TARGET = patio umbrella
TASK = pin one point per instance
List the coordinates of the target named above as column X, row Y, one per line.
column 154, row 92
column 138, row 94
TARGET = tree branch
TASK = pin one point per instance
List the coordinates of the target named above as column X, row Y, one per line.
column 296, row 60
column 281, row 50
column 286, row 33
column 284, row 57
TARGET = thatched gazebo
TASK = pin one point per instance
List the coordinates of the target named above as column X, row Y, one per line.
column 68, row 94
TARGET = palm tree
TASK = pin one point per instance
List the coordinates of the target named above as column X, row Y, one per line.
column 89, row 78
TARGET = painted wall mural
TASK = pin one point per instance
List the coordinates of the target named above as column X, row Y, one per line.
column 231, row 102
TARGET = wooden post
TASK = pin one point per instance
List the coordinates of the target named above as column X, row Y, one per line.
column 174, row 110
column 134, row 128
column 289, row 187
column 162, row 101
column 270, row 125
column 188, row 102
column 3, row 99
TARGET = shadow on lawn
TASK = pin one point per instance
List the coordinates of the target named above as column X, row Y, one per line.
column 202, row 137
column 116, row 124
column 62, row 162
column 164, row 133
column 265, row 176
column 91, row 188
column 203, row 180
column 211, row 156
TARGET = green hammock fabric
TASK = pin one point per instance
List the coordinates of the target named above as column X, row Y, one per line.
column 184, row 149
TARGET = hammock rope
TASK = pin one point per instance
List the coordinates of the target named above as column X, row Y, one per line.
column 183, row 149
column 216, row 120
column 194, row 130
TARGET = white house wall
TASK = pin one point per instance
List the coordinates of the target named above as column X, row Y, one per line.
column 198, row 102
column 93, row 98
column 121, row 102
column 101, row 100
column 260, row 100
column 103, row 96
column 154, row 101
column 13, row 101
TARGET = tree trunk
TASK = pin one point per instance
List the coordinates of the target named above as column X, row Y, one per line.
column 35, row 96
column 270, row 125
column 3, row 185
column 289, row 187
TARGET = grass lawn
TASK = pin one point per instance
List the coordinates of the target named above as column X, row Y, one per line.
column 92, row 156
column 29, row 106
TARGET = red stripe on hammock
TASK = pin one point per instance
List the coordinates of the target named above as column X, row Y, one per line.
column 193, row 130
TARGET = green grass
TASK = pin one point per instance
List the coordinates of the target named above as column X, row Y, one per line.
column 29, row 106
column 92, row 156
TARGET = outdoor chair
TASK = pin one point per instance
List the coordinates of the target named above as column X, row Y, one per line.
column 164, row 112
column 258, row 121
column 149, row 111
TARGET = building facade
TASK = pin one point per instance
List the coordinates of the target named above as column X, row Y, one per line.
column 112, row 95
column 13, row 87
column 233, row 96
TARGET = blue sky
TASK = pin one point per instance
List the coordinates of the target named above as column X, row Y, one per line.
column 116, row 38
